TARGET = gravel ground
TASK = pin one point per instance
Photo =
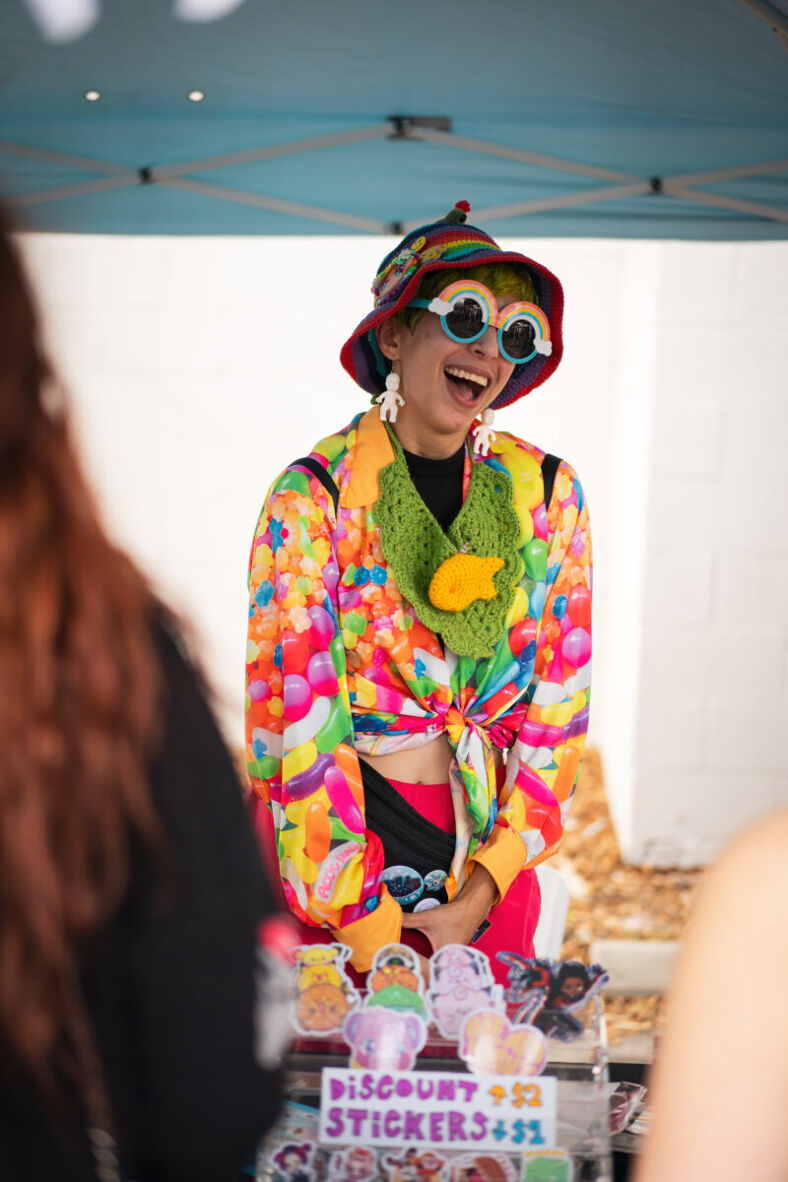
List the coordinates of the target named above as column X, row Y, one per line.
column 610, row 899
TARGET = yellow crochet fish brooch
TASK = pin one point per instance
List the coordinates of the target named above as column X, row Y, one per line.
column 462, row 579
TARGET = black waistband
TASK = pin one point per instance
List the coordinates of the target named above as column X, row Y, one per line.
column 397, row 822
column 416, row 853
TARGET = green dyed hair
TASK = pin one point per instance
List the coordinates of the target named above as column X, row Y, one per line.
column 501, row 278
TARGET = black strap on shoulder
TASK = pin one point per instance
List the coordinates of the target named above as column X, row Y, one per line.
column 319, row 471
column 549, row 468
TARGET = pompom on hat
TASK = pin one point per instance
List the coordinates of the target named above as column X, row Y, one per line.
column 442, row 245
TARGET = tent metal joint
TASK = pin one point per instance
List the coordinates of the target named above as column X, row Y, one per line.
column 408, row 127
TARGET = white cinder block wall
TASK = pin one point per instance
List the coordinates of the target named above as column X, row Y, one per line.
column 198, row 367
column 711, row 737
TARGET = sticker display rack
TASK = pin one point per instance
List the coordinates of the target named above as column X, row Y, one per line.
column 582, row 1125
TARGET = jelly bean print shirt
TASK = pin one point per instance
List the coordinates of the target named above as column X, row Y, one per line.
column 339, row 663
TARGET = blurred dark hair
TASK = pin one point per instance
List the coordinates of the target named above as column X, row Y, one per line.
column 80, row 694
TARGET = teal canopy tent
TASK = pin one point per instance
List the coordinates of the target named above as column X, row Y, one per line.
column 619, row 118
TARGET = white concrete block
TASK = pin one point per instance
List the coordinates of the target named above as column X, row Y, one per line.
column 703, row 361
column 752, row 518
column 754, row 366
column 706, row 662
column 130, row 270
column 729, row 517
column 194, row 341
column 686, row 819
column 755, row 440
column 678, row 587
column 697, row 285
column 631, row 433
column 134, row 339
column 680, row 509
column 74, row 337
column 670, row 733
column 688, row 435
column 66, row 268
column 231, row 269
column 637, row 968
column 747, row 732
column 686, row 852
column 739, row 596
column 760, row 293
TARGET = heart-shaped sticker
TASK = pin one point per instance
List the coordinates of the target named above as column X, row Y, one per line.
column 491, row 1045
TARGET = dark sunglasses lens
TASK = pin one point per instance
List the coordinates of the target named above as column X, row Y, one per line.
column 518, row 340
column 466, row 319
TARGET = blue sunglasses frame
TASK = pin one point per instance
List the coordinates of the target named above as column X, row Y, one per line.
column 492, row 316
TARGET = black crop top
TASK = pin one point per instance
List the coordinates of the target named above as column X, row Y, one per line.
column 439, row 484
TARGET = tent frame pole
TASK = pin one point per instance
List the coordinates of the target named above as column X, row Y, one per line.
column 419, row 129
column 776, row 20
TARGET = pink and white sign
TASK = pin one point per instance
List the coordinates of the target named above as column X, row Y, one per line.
column 437, row 1109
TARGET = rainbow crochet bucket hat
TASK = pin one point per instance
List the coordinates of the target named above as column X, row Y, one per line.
column 442, row 245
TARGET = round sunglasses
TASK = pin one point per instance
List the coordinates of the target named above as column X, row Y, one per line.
column 467, row 309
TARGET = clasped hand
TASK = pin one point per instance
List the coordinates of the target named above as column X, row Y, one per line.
column 455, row 922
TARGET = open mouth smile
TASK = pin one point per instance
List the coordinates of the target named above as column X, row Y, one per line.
column 469, row 386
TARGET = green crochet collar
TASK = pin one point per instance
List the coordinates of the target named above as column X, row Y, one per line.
column 415, row 547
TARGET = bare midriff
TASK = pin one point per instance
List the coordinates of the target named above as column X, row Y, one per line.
column 419, row 765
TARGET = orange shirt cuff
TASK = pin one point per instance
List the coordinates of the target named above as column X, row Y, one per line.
column 503, row 856
column 364, row 936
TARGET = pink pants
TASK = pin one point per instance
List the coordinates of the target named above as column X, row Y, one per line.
column 512, row 922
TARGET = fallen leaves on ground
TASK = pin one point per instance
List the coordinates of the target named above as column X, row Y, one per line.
column 612, row 900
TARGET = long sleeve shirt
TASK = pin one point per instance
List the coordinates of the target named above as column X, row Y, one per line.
column 339, row 662
column 169, row 983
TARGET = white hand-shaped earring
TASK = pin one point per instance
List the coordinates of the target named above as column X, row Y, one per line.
column 390, row 400
column 484, row 434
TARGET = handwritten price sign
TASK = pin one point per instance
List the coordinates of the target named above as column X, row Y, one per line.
column 437, row 1110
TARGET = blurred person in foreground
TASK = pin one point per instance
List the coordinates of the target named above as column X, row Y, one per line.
column 721, row 1077
column 130, row 885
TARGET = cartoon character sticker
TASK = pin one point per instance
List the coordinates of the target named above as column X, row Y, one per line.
column 293, row 1162
column 358, row 1164
column 547, row 1165
column 390, row 1029
column 414, row 1165
column 383, row 1039
column 482, row 1167
column 460, row 983
column 324, row 992
column 491, row 1045
column 297, row 1125
column 545, row 992
column 625, row 1102
column 395, row 980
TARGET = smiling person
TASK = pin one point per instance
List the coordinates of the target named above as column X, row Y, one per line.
column 420, row 621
